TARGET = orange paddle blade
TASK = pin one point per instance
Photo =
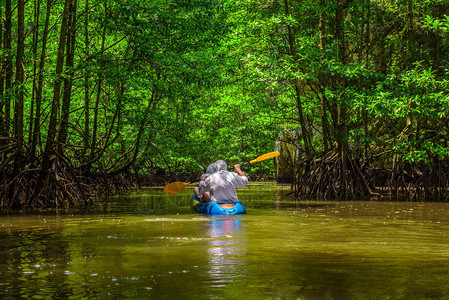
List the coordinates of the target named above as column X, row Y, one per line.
column 175, row 187
column 265, row 156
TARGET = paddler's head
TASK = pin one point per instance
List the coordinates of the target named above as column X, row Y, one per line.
column 220, row 165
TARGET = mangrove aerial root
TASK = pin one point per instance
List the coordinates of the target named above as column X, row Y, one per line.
column 60, row 186
column 334, row 176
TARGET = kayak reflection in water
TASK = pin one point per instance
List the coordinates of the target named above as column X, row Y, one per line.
column 225, row 254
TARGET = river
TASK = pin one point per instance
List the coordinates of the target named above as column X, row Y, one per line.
column 146, row 245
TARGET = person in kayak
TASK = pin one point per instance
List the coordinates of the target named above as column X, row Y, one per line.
column 198, row 191
column 222, row 184
column 200, row 195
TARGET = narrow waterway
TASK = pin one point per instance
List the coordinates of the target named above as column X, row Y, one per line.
column 146, row 245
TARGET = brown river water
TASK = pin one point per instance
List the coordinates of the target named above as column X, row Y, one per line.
column 146, row 245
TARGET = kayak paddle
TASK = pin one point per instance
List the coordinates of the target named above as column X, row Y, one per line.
column 262, row 157
column 175, row 187
column 178, row 186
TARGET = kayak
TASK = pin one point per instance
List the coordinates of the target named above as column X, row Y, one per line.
column 217, row 209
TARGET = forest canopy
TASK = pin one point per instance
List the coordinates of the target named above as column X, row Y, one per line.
column 99, row 94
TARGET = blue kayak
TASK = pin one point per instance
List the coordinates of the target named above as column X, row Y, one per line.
column 217, row 209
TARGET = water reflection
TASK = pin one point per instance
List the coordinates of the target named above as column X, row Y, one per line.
column 31, row 260
column 281, row 249
column 226, row 250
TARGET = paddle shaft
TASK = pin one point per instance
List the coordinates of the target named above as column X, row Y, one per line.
column 261, row 158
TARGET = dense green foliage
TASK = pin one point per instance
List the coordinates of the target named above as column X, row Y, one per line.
column 167, row 87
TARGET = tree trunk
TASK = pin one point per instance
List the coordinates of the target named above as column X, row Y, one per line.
column 368, row 31
column 67, row 90
column 145, row 121
column 363, row 55
column 40, row 83
column 86, row 82
column 18, row 109
column 296, row 85
column 411, row 123
column 342, row 130
column 323, row 112
column 97, row 101
column 341, row 105
column 409, row 32
column 34, row 85
column 302, row 119
column 8, row 68
column 2, row 74
column 51, row 134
